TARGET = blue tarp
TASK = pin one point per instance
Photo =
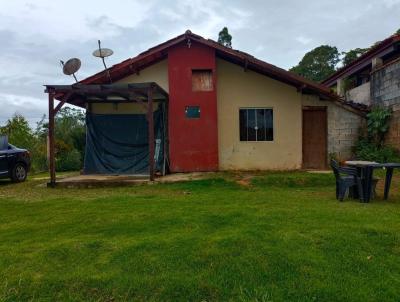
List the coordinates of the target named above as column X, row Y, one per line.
column 118, row 143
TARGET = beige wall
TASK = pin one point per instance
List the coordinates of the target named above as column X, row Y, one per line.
column 155, row 73
column 236, row 89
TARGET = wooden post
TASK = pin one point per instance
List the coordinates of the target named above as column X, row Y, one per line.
column 150, row 120
column 166, row 135
column 52, row 168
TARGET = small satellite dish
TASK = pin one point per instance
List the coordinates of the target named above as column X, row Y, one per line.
column 103, row 53
column 71, row 67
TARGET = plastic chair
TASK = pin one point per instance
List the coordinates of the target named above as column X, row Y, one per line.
column 347, row 179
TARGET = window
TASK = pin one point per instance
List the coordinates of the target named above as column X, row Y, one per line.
column 202, row 80
column 192, row 111
column 256, row 124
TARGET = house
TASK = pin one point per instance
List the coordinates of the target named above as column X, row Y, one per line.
column 374, row 79
column 225, row 110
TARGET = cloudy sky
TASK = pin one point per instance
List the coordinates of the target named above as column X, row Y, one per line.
column 36, row 34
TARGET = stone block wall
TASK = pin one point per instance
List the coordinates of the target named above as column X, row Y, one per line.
column 385, row 85
column 344, row 127
column 385, row 91
column 392, row 137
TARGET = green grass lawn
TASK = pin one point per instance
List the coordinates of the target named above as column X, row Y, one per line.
column 280, row 237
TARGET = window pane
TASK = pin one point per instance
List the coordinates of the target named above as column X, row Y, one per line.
column 261, row 124
column 192, row 111
column 256, row 124
column 269, row 125
column 251, row 124
column 243, row 124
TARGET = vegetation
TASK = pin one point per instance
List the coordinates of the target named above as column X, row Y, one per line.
column 352, row 55
column 69, row 144
column 323, row 61
column 225, row 38
column 371, row 146
column 378, row 124
column 283, row 237
column 318, row 64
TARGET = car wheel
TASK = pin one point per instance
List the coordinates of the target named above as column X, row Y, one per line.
column 19, row 173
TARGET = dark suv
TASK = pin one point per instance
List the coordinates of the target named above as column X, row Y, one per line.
column 14, row 162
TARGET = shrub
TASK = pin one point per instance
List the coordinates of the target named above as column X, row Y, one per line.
column 368, row 150
column 70, row 161
column 378, row 124
column 39, row 157
column 371, row 147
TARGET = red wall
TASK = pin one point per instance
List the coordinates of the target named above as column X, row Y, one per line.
column 193, row 143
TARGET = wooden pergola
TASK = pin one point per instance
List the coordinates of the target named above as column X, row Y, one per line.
column 82, row 95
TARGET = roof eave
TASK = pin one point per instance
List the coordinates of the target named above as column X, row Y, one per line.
column 385, row 44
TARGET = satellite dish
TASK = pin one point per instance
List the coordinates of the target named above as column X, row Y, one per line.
column 103, row 53
column 71, row 67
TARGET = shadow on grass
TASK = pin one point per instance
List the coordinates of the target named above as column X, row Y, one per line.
column 6, row 182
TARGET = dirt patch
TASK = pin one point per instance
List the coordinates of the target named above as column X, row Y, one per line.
column 178, row 177
column 243, row 178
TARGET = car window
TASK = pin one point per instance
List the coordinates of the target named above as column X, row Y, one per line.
column 11, row 147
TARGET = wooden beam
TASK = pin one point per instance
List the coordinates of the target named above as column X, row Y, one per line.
column 62, row 102
column 52, row 168
column 150, row 120
column 141, row 103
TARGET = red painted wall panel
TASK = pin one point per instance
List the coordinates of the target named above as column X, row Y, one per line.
column 193, row 143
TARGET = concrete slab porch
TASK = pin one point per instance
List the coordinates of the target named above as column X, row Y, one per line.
column 89, row 181
column 99, row 180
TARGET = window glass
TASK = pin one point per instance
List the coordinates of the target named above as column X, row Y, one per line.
column 256, row 124
column 243, row 124
column 269, row 126
column 261, row 124
column 251, row 125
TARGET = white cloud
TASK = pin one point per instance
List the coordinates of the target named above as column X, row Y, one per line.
column 303, row 40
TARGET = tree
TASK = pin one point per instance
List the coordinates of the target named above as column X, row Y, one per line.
column 18, row 131
column 224, row 38
column 318, row 64
column 352, row 55
column 70, row 139
column 397, row 32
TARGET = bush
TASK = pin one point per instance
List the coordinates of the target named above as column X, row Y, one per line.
column 378, row 124
column 39, row 158
column 70, row 161
column 367, row 150
column 371, row 147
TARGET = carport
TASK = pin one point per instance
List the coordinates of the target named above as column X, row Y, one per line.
column 112, row 142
